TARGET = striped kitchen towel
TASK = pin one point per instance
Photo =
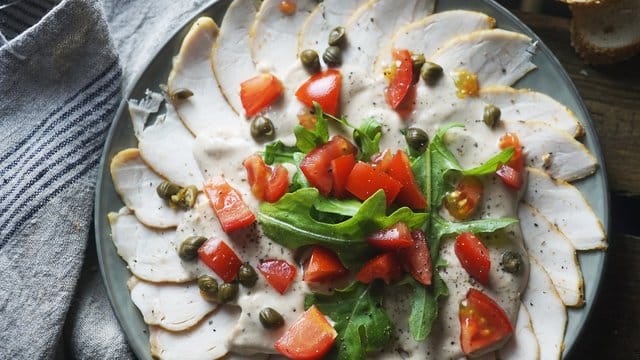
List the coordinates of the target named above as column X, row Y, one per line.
column 63, row 67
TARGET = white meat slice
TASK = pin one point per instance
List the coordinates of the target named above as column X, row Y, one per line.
column 192, row 70
column 174, row 307
column 553, row 150
column 529, row 105
column 150, row 254
column 205, row 341
column 136, row 184
column 274, row 35
column 328, row 15
column 565, row 207
column 427, row 35
column 372, row 25
column 497, row 57
column 231, row 57
column 523, row 344
column 554, row 252
column 548, row 314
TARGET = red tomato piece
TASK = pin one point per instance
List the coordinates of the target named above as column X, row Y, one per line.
column 381, row 161
column 340, row 169
column 227, row 203
column 218, row 256
column 406, row 106
column 268, row 184
column 417, row 259
column 483, row 322
column 463, row 201
column 395, row 237
column 401, row 79
column 410, row 194
column 316, row 165
column 365, row 180
column 322, row 265
column 323, row 88
column 473, row 256
column 309, row 338
column 510, row 177
column 279, row 273
column 384, row 266
column 259, row 92
column 512, row 140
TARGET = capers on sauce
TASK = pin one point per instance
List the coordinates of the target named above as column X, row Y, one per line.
column 270, row 318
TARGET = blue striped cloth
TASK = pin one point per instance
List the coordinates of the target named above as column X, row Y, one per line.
column 63, row 65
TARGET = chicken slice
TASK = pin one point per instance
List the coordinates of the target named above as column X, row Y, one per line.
column 524, row 344
column 328, row 15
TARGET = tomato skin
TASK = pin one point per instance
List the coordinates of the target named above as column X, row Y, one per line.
column 268, row 184
column 279, row 273
column 395, row 237
column 365, row 180
column 410, row 194
column 406, row 106
column 417, row 258
column 316, row 165
column 323, row 88
column 473, row 256
column 227, row 203
column 309, row 338
column 463, row 201
column 340, row 169
column 382, row 160
column 401, row 79
column 512, row 172
column 510, row 177
column 218, row 256
column 259, row 92
column 384, row 266
column 483, row 322
column 322, row 265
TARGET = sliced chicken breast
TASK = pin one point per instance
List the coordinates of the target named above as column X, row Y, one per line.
column 523, row 344
column 328, row 15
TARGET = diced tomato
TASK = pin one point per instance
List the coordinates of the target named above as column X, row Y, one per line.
column 279, row 273
column 384, row 266
column 316, row 165
column 483, row 322
column 511, row 173
column 410, row 194
column 322, row 265
column 395, row 237
column 417, row 259
column 259, row 92
column 218, row 256
column 309, row 338
column 323, row 88
column 365, row 180
column 227, row 203
column 382, row 160
column 401, row 79
column 340, row 169
column 510, row 177
column 463, row 201
column 268, row 184
column 406, row 106
column 473, row 256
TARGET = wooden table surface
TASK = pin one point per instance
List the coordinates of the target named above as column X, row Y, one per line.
column 612, row 95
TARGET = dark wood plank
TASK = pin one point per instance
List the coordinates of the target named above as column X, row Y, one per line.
column 612, row 95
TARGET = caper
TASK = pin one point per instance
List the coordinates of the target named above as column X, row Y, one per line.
column 418, row 60
column 511, row 261
column 189, row 248
column 181, row 94
column 430, row 72
column 227, row 292
column 332, row 56
column 310, row 60
column 167, row 189
column 247, row 275
column 417, row 139
column 186, row 197
column 336, row 36
column 262, row 129
column 491, row 115
column 270, row 318
column 208, row 287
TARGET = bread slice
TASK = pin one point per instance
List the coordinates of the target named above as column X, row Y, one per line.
column 606, row 33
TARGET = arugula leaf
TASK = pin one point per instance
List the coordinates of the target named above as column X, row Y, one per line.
column 367, row 137
column 277, row 152
column 347, row 207
column 289, row 223
column 424, row 304
column 360, row 319
column 307, row 139
column 421, row 167
column 490, row 166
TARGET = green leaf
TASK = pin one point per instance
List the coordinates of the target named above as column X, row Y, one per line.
column 360, row 319
column 277, row 153
column 298, row 181
column 442, row 161
column 367, row 137
column 307, row 140
column 424, row 305
column 490, row 166
column 289, row 222
column 347, row 207
column 441, row 227
column 421, row 167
